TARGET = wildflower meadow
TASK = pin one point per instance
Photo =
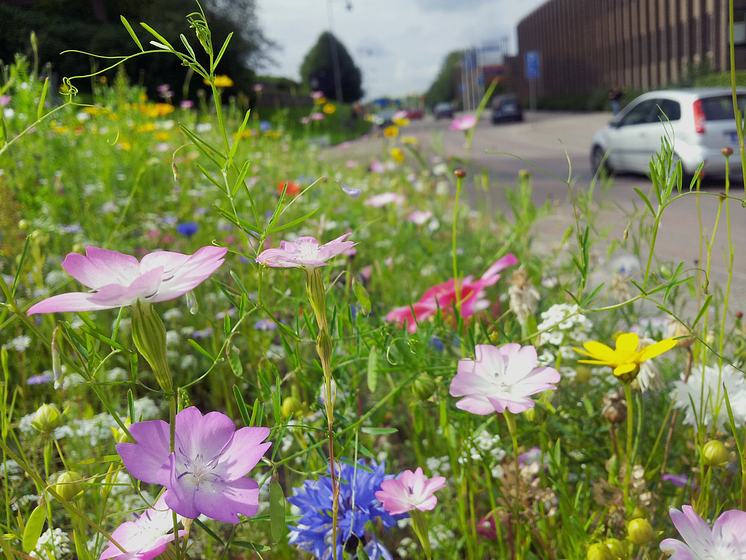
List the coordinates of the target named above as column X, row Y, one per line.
column 223, row 340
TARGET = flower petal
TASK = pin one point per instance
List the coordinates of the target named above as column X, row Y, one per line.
column 477, row 404
column 70, row 302
column 144, row 287
column 203, row 435
column 693, row 530
column 656, row 349
column 500, row 264
column 180, row 491
column 599, row 351
column 729, row 533
column 101, row 267
column 187, row 275
column 242, row 452
column 627, row 343
column 144, row 458
column 225, row 500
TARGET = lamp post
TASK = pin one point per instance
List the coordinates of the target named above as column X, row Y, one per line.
column 335, row 51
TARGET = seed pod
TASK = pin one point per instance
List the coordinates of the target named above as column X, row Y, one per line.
column 69, row 485
column 424, row 386
column 640, row 532
column 617, row 549
column 598, row 552
column 47, row 418
column 291, row 406
column 715, row 453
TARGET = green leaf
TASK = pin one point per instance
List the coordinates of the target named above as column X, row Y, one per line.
column 205, row 149
column 241, row 128
column 201, row 350
column 80, row 546
column 241, row 406
column 131, row 32
column 362, row 296
column 365, row 451
column 377, row 431
column 277, row 511
column 645, row 200
column 158, row 36
column 210, row 178
column 222, row 52
column 276, row 404
column 42, row 98
column 702, row 311
column 237, row 221
column 275, row 229
column 33, row 529
column 251, row 545
column 235, row 362
column 189, row 48
column 20, row 266
column 358, row 466
column 209, row 531
column 373, row 369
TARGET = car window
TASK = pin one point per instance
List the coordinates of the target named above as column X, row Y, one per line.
column 640, row 113
column 668, row 110
column 721, row 108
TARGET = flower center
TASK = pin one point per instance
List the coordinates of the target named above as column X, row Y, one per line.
column 198, row 468
column 308, row 251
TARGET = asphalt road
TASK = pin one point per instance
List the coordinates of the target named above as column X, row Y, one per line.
column 547, row 140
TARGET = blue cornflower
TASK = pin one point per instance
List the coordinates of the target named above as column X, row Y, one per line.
column 265, row 126
column 358, row 505
column 187, row 229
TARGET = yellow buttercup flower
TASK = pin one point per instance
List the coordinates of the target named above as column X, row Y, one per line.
column 329, row 108
column 147, row 127
column 221, row 81
column 319, row 100
column 398, row 155
column 162, row 136
column 404, row 121
column 391, row 131
column 626, row 359
column 410, row 140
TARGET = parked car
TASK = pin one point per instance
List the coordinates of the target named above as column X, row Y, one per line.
column 698, row 122
column 414, row 114
column 506, row 107
column 384, row 118
column 443, row 111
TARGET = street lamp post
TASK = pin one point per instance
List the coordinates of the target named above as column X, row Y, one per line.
column 335, row 52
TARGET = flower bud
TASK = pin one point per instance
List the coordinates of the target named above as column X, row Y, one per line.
column 638, row 512
column 424, row 386
column 291, row 406
column 640, row 532
column 120, row 436
column 69, row 485
column 715, row 453
column 47, row 418
column 459, row 173
column 317, row 296
column 727, row 152
column 149, row 336
column 617, row 549
column 598, row 552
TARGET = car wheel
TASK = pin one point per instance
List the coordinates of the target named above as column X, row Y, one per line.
column 597, row 160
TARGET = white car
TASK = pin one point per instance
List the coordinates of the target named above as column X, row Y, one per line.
column 699, row 123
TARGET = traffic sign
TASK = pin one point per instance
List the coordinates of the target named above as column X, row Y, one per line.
column 532, row 65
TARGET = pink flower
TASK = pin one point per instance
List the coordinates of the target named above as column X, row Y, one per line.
column 501, row 378
column 419, row 217
column 258, row 87
column 351, row 163
column 118, row 280
column 399, row 115
column 146, row 537
column 410, row 490
column 443, row 296
column 726, row 540
column 304, row 252
column 206, row 473
column 377, row 167
column 385, row 198
column 4, row 100
column 186, row 104
column 317, row 116
column 317, row 94
column 463, row 123
column 303, row 120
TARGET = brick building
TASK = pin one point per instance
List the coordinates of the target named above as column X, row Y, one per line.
column 586, row 45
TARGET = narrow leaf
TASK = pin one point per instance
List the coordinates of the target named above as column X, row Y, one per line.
column 222, row 50
column 131, row 32
column 373, row 369
column 377, row 431
column 155, row 34
column 42, row 98
column 241, row 406
column 645, row 200
column 33, row 528
column 241, row 128
column 358, row 466
column 362, row 296
column 201, row 350
column 275, row 229
column 277, row 511
column 702, row 311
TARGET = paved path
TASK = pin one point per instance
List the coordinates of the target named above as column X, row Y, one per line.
column 547, row 140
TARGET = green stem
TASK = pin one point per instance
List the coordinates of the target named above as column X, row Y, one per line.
column 628, row 454
column 457, row 283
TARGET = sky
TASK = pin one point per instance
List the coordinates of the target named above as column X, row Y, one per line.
column 398, row 44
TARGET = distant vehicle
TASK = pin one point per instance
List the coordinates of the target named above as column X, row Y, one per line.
column 384, row 118
column 443, row 111
column 414, row 114
column 698, row 122
column 506, row 107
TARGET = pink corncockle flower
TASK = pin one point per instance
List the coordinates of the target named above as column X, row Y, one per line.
column 146, row 537
column 443, row 296
column 206, row 473
column 186, row 104
column 463, row 123
column 258, row 87
column 377, row 167
column 401, row 114
column 352, row 163
column 419, row 217
column 317, row 94
column 304, row 252
column 317, row 116
column 4, row 100
column 119, row 280
column 501, row 378
column 385, row 198
column 408, row 491
column 726, row 540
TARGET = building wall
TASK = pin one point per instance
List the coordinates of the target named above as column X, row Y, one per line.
column 587, row 45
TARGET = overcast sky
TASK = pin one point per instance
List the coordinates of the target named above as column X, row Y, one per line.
column 398, row 44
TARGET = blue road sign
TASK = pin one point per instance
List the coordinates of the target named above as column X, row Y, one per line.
column 532, row 65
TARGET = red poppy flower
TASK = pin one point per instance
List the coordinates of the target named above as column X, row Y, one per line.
column 293, row 187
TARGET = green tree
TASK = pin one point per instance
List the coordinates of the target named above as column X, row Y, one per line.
column 94, row 26
column 443, row 89
column 317, row 70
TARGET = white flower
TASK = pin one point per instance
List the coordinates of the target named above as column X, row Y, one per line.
column 20, row 343
column 709, row 384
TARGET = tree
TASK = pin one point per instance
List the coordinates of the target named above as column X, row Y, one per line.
column 317, row 70
column 443, row 89
column 94, row 26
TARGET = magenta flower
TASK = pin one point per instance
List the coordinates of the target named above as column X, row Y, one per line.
column 4, row 100
column 304, row 252
column 501, row 378
column 443, row 296
column 377, row 167
column 118, row 280
column 146, row 537
column 206, row 474
column 463, row 123
column 419, row 217
column 385, row 198
column 726, row 540
column 186, row 104
column 408, row 491
column 317, row 116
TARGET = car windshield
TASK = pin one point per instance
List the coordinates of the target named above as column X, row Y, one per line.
column 721, row 108
column 440, row 106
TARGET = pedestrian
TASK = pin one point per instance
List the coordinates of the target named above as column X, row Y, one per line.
column 615, row 95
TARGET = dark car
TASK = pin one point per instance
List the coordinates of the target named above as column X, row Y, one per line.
column 506, row 108
column 443, row 111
